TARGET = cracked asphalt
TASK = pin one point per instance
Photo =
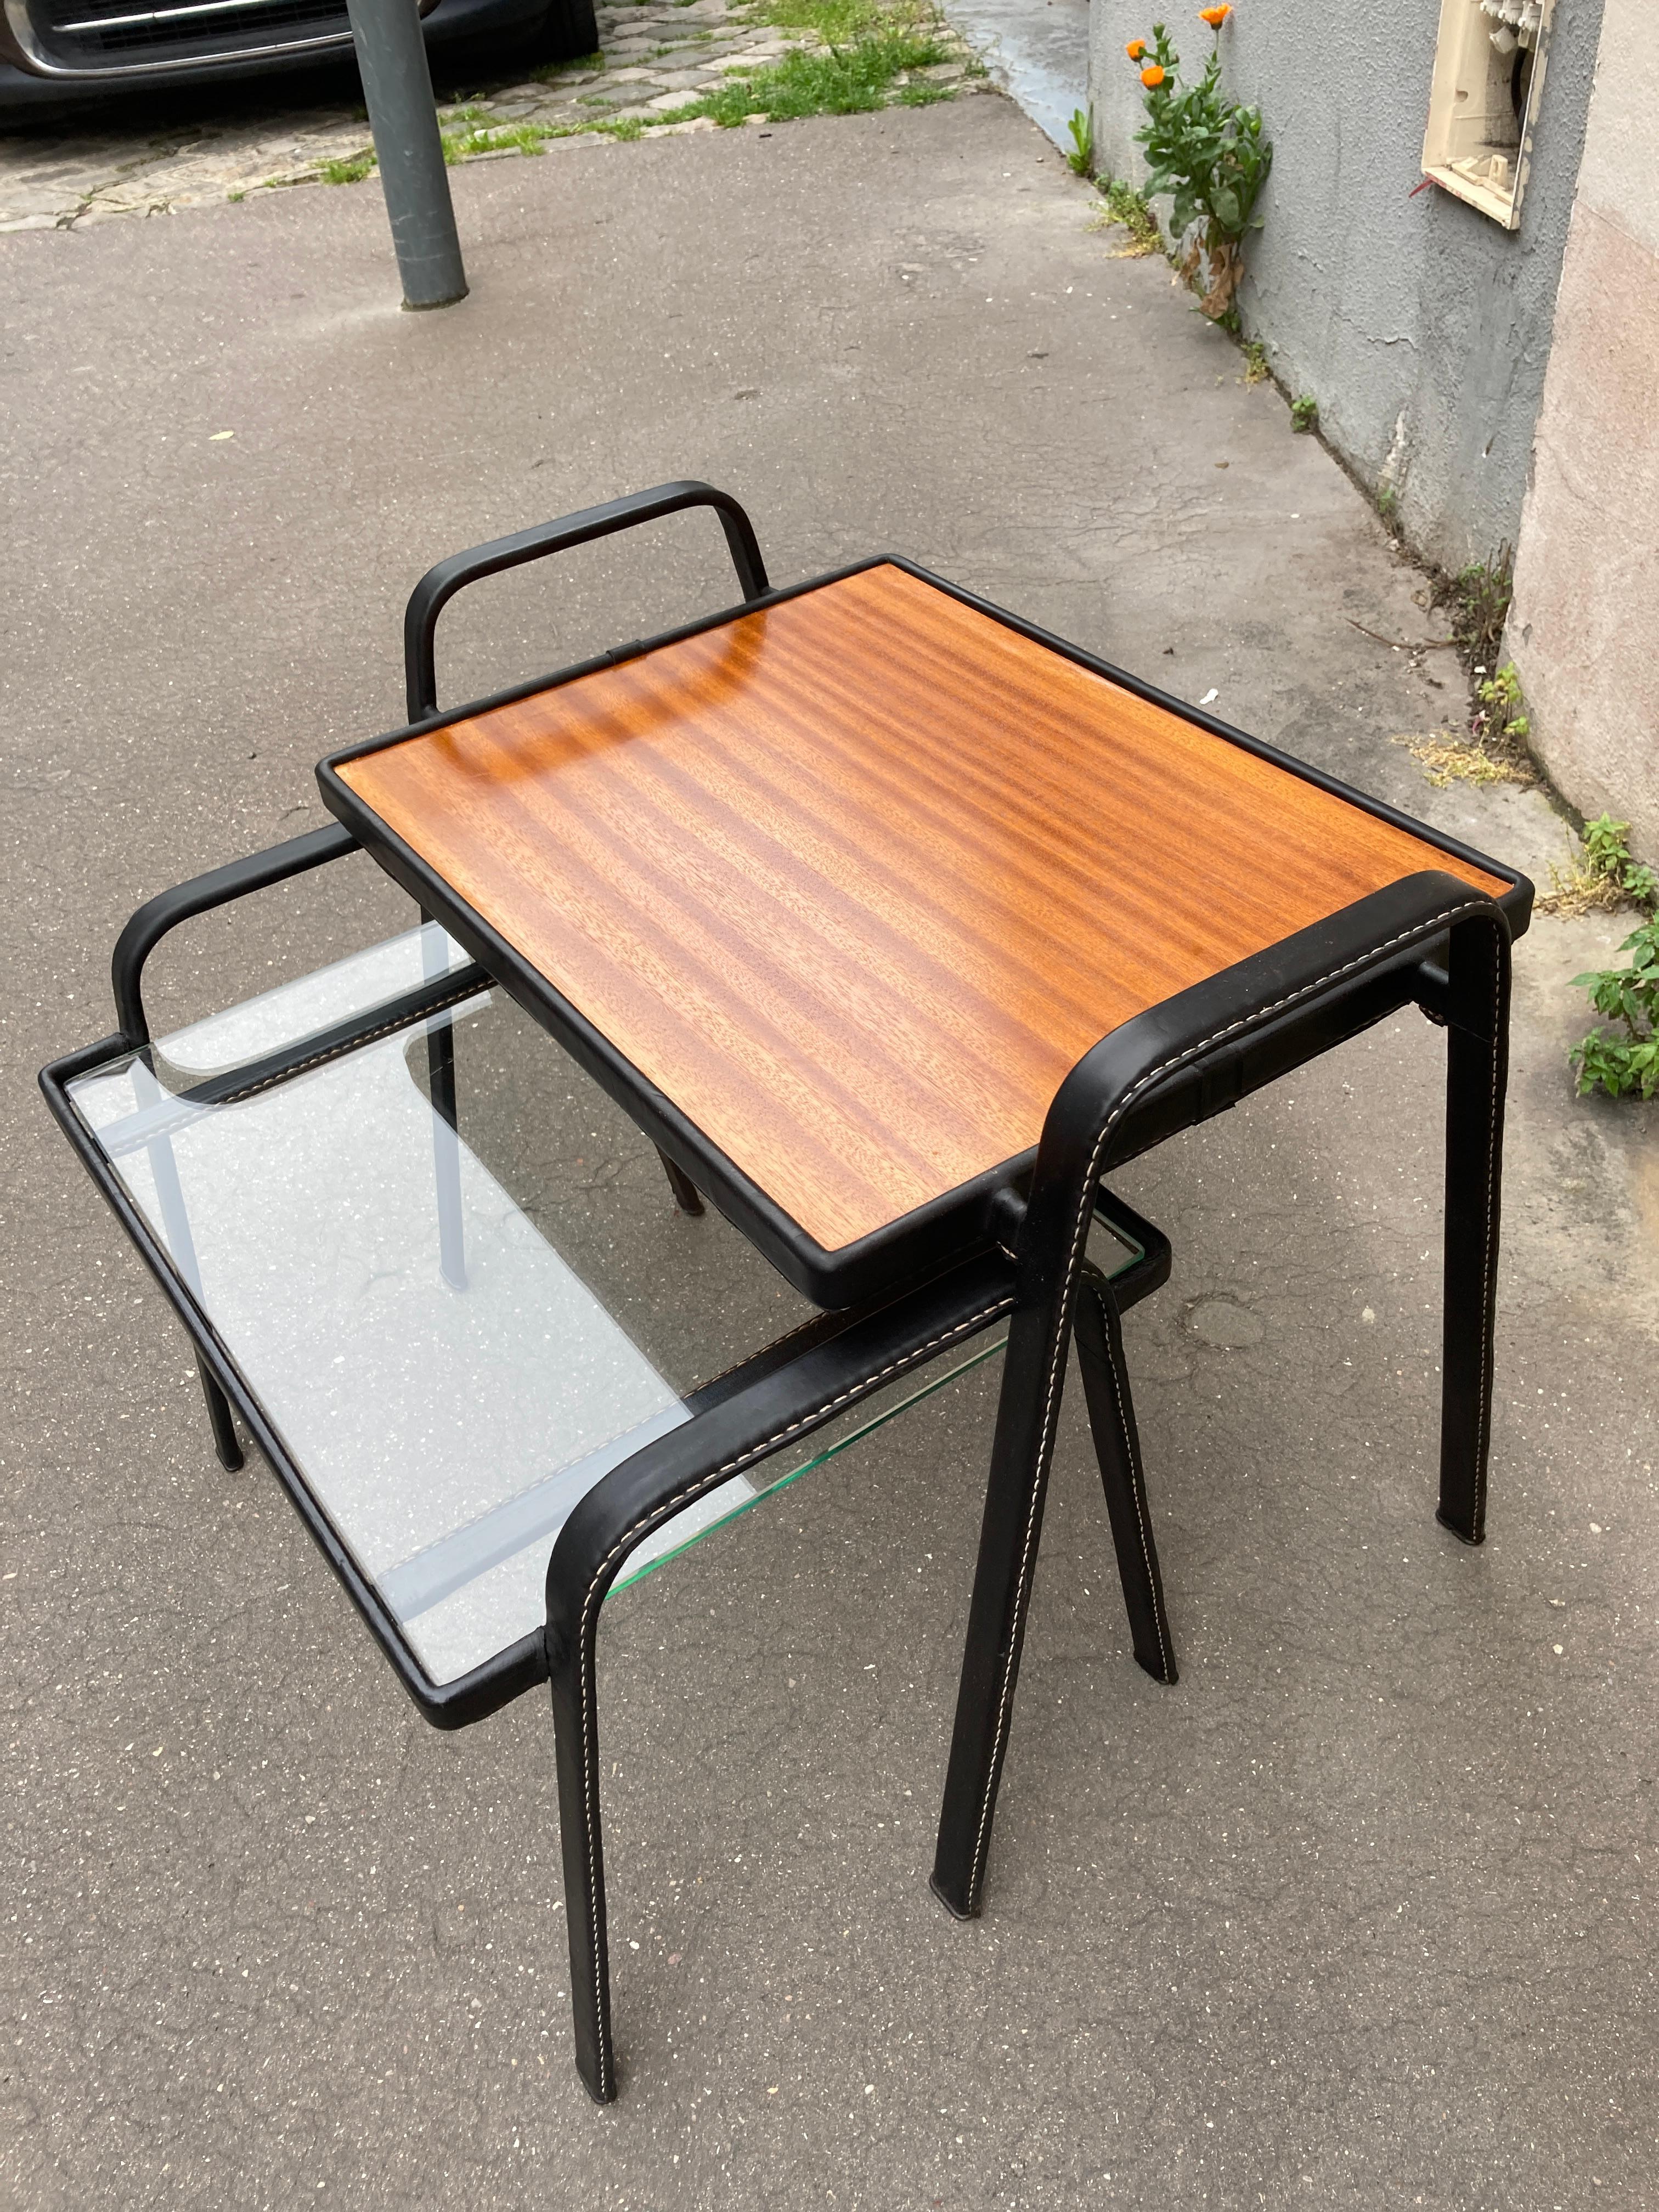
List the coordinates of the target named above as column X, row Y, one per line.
column 1359, row 1914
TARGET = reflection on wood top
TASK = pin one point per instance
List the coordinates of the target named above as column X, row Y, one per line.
column 857, row 879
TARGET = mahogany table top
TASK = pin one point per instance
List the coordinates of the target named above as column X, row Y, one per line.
column 857, row 879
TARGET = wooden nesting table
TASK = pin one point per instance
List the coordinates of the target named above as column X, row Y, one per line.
column 850, row 882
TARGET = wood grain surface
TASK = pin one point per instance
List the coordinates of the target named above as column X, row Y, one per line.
column 857, row 879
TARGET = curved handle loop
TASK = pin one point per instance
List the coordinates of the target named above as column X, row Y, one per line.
column 218, row 887
column 440, row 584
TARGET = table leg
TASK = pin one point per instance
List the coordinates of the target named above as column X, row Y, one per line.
column 446, row 1121
column 576, row 1750
column 687, row 1196
column 1477, row 1063
column 220, row 1420
column 1033, row 1378
column 175, row 1227
column 1117, row 1448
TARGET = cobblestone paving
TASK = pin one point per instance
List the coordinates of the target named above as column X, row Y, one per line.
column 655, row 58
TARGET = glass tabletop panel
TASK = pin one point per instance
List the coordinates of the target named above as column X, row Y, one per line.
column 458, row 1315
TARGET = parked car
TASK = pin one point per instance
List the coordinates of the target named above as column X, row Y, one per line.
column 58, row 53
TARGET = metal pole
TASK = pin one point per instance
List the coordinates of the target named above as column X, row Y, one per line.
column 404, row 117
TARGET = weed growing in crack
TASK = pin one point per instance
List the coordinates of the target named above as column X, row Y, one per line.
column 475, row 138
column 1500, row 716
column 348, row 169
column 1601, row 877
column 1081, row 130
column 1625, row 1060
column 1495, row 750
column 1478, row 599
column 1125, row 206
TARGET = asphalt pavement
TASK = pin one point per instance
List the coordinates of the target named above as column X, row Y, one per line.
column 1359, row 1914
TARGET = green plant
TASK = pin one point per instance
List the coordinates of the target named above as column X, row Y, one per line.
column 1387, row 502
column 1304, row 412
column 844, row 22
column 1081, row 159
column 1480, row 601
column 1500, row 711
column 1607, row 851
column 842, row 80
column 494, row 138
column 350, row 169
column 236, row 196
column 1256, row 370
column 1602, row 876
column 1125, row 205
column 1208, row 151
column 1629, row 1062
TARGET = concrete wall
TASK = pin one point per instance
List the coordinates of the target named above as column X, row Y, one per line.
column 1584, row 627
column 1421, row 326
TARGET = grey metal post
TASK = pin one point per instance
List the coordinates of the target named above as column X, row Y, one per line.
column 404, row 117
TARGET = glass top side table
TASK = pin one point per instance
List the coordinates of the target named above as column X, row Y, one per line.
column 458, row 1312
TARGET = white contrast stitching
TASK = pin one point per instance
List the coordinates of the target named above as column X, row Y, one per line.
column 683, row 1498
column 1061, row 1306
column 351, row 1043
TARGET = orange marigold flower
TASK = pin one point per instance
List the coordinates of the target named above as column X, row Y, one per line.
column 1151, row 76
column 1215, row 17
column 1135, row 48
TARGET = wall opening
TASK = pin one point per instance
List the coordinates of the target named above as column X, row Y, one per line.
column 1483, row 103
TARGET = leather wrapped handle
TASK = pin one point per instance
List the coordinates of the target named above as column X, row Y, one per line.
column 1085, row 1127
column 440, row 584
column 218, row 887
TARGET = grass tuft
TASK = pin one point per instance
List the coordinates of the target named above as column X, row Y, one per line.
column 1124, row 206
column 868, row 47
column 845, row 81
column 347, row 169
column 474, row 138
column 1478, row 600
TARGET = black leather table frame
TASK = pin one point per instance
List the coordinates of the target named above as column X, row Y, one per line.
column 1432, row 938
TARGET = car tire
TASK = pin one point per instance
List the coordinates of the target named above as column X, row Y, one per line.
column 569, row 33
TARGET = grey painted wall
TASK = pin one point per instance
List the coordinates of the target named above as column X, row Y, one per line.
column 1421, row 326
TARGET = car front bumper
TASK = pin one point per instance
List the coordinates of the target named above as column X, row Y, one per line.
column 58, row 53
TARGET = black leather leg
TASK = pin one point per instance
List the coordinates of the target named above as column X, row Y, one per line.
column 220, row 1421
column 575, row 1729
column 1031, row 1385
column 1099, row 1341
column 687, row 1196
column 1477, row 1064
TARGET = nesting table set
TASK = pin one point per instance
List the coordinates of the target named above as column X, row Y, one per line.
column 892, row 925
